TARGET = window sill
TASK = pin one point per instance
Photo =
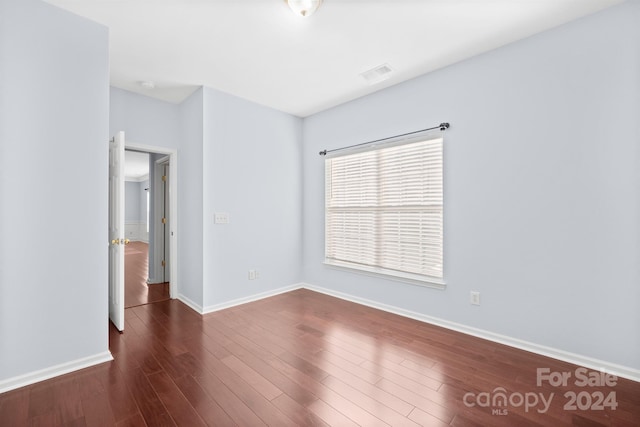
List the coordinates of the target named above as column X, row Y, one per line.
column 413, row 279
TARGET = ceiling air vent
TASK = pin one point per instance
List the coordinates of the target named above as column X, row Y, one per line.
column 377, row 74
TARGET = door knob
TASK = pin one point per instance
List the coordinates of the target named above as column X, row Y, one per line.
column 115, row 242
column 126, row 241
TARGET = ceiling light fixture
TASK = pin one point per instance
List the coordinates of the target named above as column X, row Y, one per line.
column 304, row 8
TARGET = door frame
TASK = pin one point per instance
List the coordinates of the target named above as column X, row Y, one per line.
column 158, row 275
column 173, row 207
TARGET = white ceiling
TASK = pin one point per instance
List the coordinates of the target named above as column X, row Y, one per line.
column 136, row 166
column 259, row 50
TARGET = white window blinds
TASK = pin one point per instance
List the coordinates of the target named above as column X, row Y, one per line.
column 384, row 210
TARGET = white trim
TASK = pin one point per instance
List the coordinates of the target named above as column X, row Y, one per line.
column 54, row 371
column 398, row 276
column 577, row 359
column 250, row 298
column 554, row 353
column 244, row 300
column 191, row 304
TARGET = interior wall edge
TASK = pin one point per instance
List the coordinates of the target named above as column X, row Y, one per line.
column 190, row 303
column 250, row 298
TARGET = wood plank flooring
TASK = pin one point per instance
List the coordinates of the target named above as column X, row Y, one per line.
column 307, row 359
column 136, row 272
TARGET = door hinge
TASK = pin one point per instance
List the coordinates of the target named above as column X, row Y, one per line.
column 164, row 177
column 163, row 264
column 164, row 220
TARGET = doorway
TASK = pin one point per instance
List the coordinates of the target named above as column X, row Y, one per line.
column 116, row 225
column 141, row 190
column 151, row 259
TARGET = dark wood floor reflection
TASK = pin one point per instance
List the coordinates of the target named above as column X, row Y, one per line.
column 136, row 272
column 306, row 359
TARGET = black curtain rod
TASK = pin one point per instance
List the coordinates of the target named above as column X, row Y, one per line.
column 441, row 126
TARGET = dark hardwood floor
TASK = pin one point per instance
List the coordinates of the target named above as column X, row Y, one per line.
column 307, row 359
column 136, row 272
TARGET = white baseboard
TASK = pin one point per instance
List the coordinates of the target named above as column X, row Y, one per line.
column 251, row 298
column 54, row 371
column 217, row 307
column 554, row 353
column 577, row 359
column 565, row 356
column 191, row 304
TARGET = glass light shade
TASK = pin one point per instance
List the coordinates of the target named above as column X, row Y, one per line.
column 304, row 7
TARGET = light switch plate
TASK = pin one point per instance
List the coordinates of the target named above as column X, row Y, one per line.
column 474, row 297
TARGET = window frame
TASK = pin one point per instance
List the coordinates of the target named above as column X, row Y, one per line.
column 376, row 271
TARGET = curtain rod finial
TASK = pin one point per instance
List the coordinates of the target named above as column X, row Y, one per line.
column 323, row 153
column 444, row 126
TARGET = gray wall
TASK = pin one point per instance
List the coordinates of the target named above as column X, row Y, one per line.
column 252, row 172
column 160, row 124
column 144, row 120
column 190, row 172
column 53, row 262
column 143, row 190
column 133, row 193
column 541, row 187
column 233, row 156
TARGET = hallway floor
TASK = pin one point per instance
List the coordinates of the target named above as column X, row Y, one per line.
column 136, row 271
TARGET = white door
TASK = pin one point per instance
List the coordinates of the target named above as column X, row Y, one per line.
column 116, row 231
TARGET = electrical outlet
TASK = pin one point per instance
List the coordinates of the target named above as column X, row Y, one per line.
column 221, row 218
column 474, row 297
column 252, row 274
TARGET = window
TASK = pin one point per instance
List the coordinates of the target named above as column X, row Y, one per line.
column 384, row 210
